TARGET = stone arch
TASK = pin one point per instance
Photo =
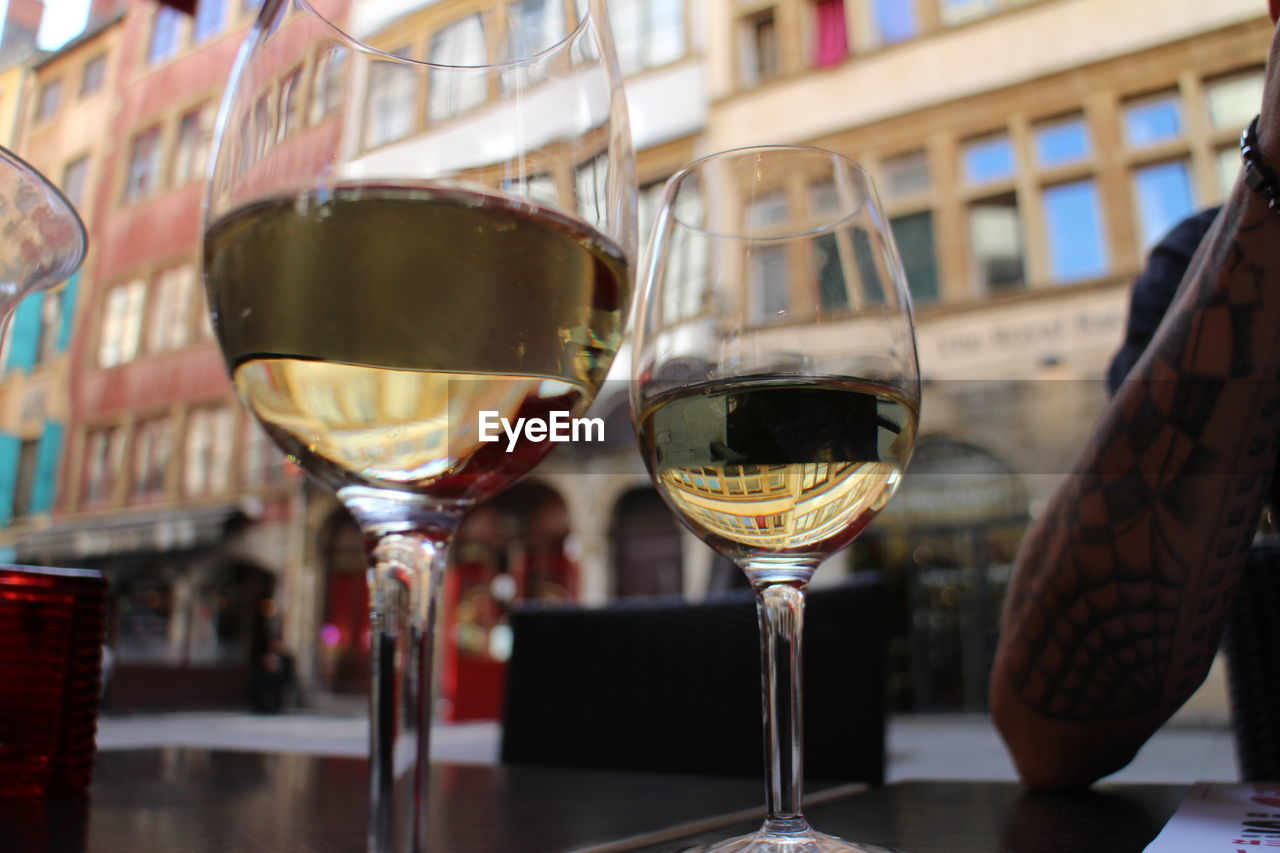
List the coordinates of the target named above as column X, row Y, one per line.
column 646, row 545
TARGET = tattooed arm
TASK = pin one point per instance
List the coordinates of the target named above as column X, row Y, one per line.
column 1124, row 580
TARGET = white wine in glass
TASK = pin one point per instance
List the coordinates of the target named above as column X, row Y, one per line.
column 776, row 399
column 408, row 225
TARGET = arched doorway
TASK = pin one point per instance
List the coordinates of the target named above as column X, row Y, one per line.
column 187, row 635
column 509, row 550
column 948, row 540
column 234, row 616
column 343, row 664
column 647, row 547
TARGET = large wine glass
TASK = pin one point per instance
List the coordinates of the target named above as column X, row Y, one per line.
column 419, row 216
column 776, row 397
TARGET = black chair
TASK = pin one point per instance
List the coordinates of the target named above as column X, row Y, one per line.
column 664, row 685
column 1252, row 646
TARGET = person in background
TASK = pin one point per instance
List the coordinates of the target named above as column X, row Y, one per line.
column 274, row 679
column 1124, row 581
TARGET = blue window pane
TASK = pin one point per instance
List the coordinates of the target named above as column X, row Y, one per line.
column 1076, row 248
column 1153, row 121
column 1065, row 142
column 1164, row 198
column 989, row 160
column 895, row 20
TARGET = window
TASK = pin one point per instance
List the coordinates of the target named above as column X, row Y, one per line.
column 165, row 29
column 49, row 99
column 961, row 11
column 204, row 322
column 1164, row 198
column 906, row 181
column 169, row 324
column 914, row 235
column 263, row 461
column 290, row 103
column 1153, row 120
column 1061, row 142
column 833, row 287
column 74, row 176
column 768, row 209
column 827, row 262
column 93, row 76
column 462, row 42
column 768, row 270
column 191, row 147
column 152, row 453
column 989, row 159
column 121, row 324
column 831, row 36
column 207, row 452
column 144, row 165
column 104, row 452
column 536, row 25
column 25, row 481
column 906, row 175
column 1233, row 101
column 995, row 241
column 326, row 90
column 590, row 183
column 1073, row 220
column 823, row 198
column 893, row 20
column 759, row 49
column 50, row 325
column 211, row 18
column 190, row 150
column 393, row 101
column 649, row 33
column 686, row 260
column 1228, row 168
column 769, row 280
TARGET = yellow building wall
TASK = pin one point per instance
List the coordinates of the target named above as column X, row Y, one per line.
column 11, row 95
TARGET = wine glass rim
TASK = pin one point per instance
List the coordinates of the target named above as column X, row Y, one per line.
column 827, row 225
column 51, row 189
column 365, row 47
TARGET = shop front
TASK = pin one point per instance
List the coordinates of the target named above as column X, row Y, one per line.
column 190, row 615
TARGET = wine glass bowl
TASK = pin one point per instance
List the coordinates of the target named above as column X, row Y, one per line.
column 413, row 225
column 776, row 396
column 43, row 242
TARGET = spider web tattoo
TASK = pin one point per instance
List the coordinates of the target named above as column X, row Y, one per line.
column 1151, row 530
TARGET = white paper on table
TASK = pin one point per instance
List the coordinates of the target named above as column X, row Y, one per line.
column 1215, row 817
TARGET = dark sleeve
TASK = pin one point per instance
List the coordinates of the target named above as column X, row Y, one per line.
column 1154, row 288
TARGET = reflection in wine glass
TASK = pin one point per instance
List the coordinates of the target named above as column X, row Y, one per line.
column 444, row 232
column 776, row 398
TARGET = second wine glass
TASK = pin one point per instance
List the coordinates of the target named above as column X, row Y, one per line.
column 415, row 229
column 776, row 399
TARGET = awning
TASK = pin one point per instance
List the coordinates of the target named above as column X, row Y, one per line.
column 127, row 533
column 953, row 484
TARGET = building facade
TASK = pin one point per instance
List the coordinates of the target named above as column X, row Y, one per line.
column 1028, row 154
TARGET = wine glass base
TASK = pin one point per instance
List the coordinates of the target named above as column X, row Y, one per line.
column 805, row 842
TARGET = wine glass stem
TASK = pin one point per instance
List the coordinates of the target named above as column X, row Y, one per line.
column 780, row 606
column 404, row 589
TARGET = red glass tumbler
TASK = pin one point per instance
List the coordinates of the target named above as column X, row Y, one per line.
column 51, row 631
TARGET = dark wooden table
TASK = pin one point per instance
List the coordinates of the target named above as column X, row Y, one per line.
column 197, row 801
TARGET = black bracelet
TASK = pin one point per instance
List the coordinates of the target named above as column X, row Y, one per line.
column 1257, row 175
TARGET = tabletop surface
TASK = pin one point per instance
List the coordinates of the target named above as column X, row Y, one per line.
column 197, row 800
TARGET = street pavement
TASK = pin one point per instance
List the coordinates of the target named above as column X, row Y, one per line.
column 951, row 746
